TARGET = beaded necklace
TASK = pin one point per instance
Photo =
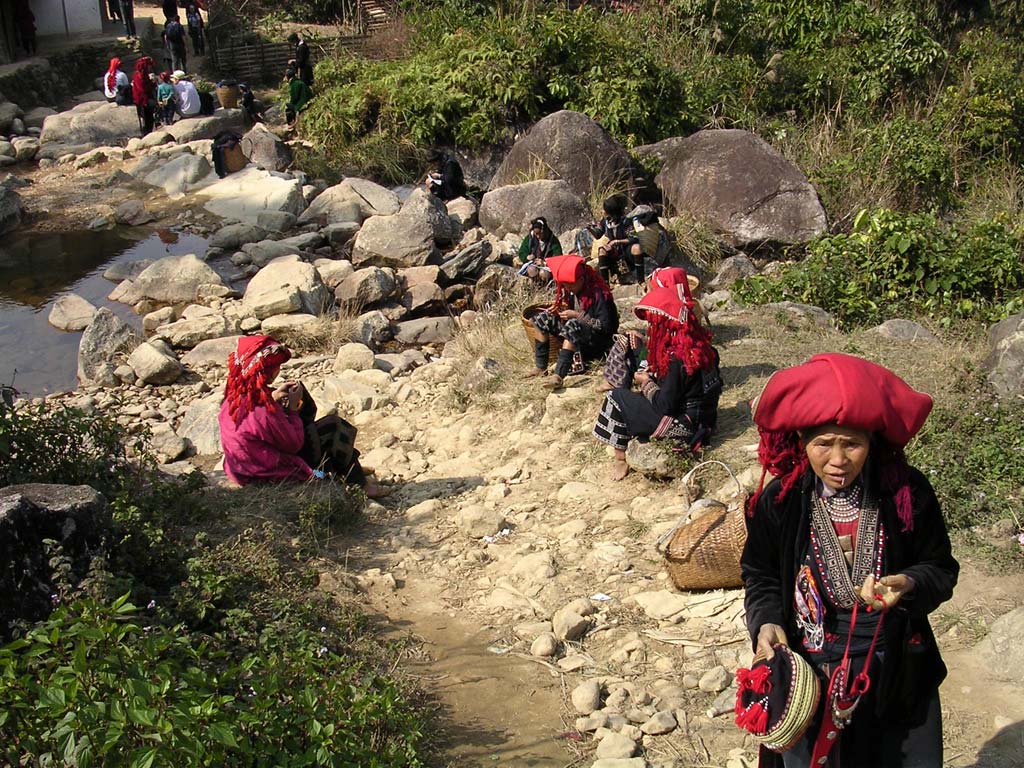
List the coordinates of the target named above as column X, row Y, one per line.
column 840, row 581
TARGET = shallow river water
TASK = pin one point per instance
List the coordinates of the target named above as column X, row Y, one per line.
column 38, row 268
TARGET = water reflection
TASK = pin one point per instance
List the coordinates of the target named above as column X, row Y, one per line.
column 36, row 269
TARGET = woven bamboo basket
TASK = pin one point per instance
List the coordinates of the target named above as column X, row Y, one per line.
column 705, row 553
column 529, row 328
column 228, row 96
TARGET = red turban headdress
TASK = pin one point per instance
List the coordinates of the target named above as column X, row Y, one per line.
column 847, row 391
column 249, row 369
column 567, row 269
column 675, row 331
column 666, row 276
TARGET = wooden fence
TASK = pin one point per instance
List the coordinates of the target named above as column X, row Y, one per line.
column 251, row 59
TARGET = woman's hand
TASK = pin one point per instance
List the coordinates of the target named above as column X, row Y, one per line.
column 568, row 314
column 289, row 395
column 769, row 635
column 887, row 591
column 641, row 378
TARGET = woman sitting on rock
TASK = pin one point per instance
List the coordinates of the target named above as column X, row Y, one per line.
column 680, row 389
column 115, row 82
column 539, row 244
column 583, row 314
column 613, row 256
column 629, row 351
column 269, row 435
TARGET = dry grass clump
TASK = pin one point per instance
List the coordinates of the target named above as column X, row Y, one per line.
column 326, row 335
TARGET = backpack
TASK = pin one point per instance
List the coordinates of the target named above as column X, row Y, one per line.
column 205, row 103
column 175, row 32
column 123, row 98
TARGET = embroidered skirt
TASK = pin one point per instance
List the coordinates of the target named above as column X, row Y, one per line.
column 611, row 427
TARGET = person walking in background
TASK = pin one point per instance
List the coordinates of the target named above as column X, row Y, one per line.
column 194, row 19
column 25, row 23
column 174, row 42
column 170, row 8
column 303, row 62
column 114, row 10
column 144, row 94
column 299, row 96
column 128, row 17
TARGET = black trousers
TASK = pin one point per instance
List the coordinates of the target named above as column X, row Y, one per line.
column 128, row 17
column 147, row 116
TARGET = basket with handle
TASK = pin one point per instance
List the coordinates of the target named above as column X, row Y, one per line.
column 527, row 319
column 705, row 553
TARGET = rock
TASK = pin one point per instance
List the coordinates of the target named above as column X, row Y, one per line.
column 650, row 458
column 93, row 124
column 244, row 195
column 463, row 211
column 632, row 762
column 569, row 146
column 423, row 298
column 717, row 300
column 185, row 334
column 615, row 746
column 175, row 279
column 467, row 263
column 166, row 445
column 213, row 352
column 365, row 288
column 265, row 149
column 333, row 271
column 662, row 605
column 352, row 197
column 340, row 233
column 421, row 204
column 904, row 330
column 179, row 174
column 372, row 329
column 1002, row 649
column 660, row 723
column 475, row 521
column 276, row 221
column 743, row 187
column 200, row 427
column 585, row 697
column 11, row 209
column 1005, row 360
column 802, row 313
column 36, row 116
column 265, row 251
column 427, row 330
column 30, row 515
column 126, row 270
column 399, row 363
column 534, row 567
column 133, row 213
column 288, row 326
column 715, row 680
column 207, row 126
column 494, row 282
column 510, row 209
column 154, row 366
column 234, row 236
column 156, row 318
column 71, row 313
column 306, row 241
column 25, row 148
column 484, row 371
column 731, row 269
column 286, row 284
column 546, row 645
column 569, row 625
column 6, row 149
column 395, row 241
column 107, row 339
column 353, row 357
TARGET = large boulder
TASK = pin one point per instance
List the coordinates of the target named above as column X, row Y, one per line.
column 11, row 210
column 25, row 147
column 265, row 251
column 9, row 112
column 372, row 329
column 71, row 313
column 186, row 333
column 365, row 288
column 1002, row 648
column 155, row 364
column 31, row 515
column 175, row 279
column 107, row 340
column 244, row 195
column 512, row 207
column 93, row 124
column 743, row 187
column 200, row 426
column 423, row 204
column 468, row 262
column 287, row 284
column 353, row 199
column 211, row 353
column 334, row 271
column 1005, row 361
column 176, row 176
column 36, row 116
column 265, row 149
column 570, row 146
column 427, row 330
column 206, row 126
column 395, row 241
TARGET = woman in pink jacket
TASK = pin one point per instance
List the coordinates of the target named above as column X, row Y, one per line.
column 268, row 435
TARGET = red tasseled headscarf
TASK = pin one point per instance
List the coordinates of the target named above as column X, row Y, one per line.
column 115, row 64
column 674, row 331
column 569, row 268
column 849, row 392
column 249, row 369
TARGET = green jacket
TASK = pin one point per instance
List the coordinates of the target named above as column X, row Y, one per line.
column 530, row 245
column 299, row 94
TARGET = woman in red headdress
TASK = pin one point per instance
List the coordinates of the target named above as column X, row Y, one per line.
column 583, row 314
column 679, row 388
column 846, row 555
column 629, row 349
column 268, row 435
column 144, row 94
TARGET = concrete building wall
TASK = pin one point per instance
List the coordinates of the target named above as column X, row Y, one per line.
column 82, row 16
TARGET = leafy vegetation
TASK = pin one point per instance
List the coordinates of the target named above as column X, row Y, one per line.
column 234, row 660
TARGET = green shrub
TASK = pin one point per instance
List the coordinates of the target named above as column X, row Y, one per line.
column 978, row 480
column 91, row 685
column 904, row 264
